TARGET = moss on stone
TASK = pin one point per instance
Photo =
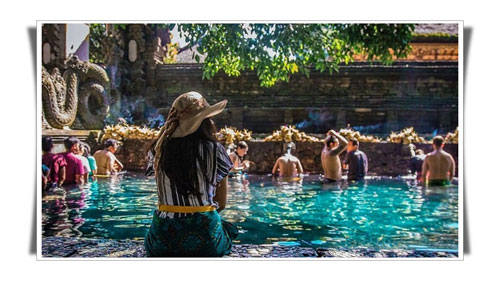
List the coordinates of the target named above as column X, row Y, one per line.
column 436, row 37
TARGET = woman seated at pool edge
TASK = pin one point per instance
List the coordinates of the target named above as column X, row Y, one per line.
column 239, row 165
column 191, row 170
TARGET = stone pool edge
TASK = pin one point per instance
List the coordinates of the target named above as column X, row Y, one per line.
column 70, row 247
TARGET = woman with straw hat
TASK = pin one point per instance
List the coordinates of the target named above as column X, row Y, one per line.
column 191, row 170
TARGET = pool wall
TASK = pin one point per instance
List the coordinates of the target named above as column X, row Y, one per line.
column 385, row 159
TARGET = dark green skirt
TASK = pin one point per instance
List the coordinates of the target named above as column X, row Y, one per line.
column 438, row 183
column 198, row 235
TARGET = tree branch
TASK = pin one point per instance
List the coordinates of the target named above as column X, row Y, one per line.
column 188, row 46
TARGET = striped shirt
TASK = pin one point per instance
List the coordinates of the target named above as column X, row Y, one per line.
column 218, row 166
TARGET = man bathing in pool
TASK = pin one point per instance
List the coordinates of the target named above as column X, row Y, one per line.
column 439, row 166
column 106, row 160
column 335, row 144
column 288, row 165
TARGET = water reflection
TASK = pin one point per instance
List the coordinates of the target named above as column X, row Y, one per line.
column 241, row 203
column 117, row 207
column 61, row 215
column 375, row 213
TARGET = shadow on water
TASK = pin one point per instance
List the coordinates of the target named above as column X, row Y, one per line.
column 467, row 39
column 32, row 41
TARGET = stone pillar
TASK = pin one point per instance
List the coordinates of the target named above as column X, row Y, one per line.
column 154, row 55
column 341, row 121
column 59, row 41
column 53, row 44
column 136, row 47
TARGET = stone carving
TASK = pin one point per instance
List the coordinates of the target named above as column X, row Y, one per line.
column 59, row 97
column 83, row 90
column 94, row 85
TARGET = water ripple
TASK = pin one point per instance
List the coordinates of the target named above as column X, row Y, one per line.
column 380, row 213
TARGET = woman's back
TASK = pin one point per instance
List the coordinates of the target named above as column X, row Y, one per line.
column 173, row 191
column 190, row 167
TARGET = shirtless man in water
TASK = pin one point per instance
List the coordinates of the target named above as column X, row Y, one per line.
column 335, row 144
column 288, row 165
column 439, row 166
column 106, row 160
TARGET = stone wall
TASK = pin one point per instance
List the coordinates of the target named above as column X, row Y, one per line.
column 386, row 159
column 133, row 154
column 378, row 97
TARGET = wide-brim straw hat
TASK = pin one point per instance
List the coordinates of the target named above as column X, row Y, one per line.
column 186, row 114
column 193, row 109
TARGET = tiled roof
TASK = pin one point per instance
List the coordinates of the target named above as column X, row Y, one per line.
column 436, row 28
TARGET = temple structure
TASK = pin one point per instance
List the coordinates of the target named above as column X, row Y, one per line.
column 420, row 90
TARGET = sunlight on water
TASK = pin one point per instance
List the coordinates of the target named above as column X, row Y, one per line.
column 379, row 214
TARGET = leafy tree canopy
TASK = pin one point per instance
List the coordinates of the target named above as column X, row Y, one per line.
column 275, row 51
column 97, row 34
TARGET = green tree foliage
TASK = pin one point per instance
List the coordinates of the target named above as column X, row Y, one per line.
column 97, row 34
column 275, row 51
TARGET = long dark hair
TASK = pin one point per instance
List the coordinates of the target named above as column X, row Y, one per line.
column 180, row 157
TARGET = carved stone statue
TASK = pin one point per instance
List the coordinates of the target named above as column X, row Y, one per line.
column 83, row 91
column 59, row 97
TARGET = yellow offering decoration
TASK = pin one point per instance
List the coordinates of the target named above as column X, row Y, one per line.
column 452, row 137
column 231, row 135
column 125, row 131
column 406, row 136
column 351, row 134
column 288, row 134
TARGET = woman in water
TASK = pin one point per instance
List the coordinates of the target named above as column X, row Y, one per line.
column 191, row 170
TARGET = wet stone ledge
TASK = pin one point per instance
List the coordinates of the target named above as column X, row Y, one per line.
column 64, row 247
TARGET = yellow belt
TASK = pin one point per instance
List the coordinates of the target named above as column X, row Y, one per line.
column 185, row 209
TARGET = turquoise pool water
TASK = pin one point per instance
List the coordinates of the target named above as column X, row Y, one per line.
column 379, row 214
